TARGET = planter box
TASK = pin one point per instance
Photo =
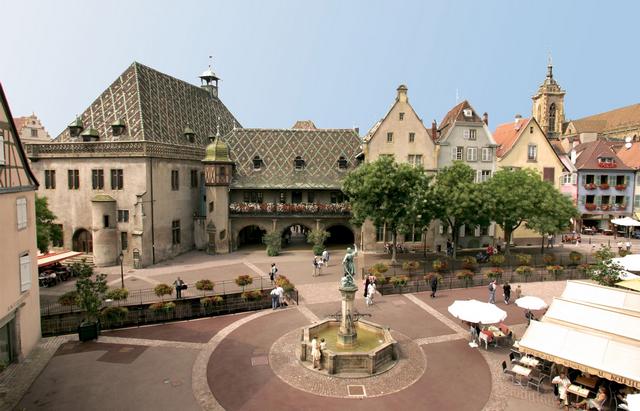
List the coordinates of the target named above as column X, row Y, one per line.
column 88, row 332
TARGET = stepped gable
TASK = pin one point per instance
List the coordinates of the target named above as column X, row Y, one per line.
column 277, row 148
column 155, row 107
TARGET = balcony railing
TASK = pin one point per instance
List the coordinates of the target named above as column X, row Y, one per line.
column 343, row 209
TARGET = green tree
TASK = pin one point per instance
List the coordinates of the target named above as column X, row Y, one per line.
column 460, row 201
column 317, row 238
column 273, row 241
column 90, row 291
column 553, row 214
column 46, row 230
column 384, row 191
column 605, row 272
column 513, row 196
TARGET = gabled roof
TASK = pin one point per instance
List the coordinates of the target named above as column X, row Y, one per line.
column 20, row 122
column 506, row 135
column 630, row 156
column 620, row 118
column 588, row 154
column 457, row 114
column 278, row 148
column 156, row 107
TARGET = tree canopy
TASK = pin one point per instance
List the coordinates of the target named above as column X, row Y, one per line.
column 46, row 230
column 554, row 212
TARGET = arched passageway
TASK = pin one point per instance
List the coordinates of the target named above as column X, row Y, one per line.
column 295, row 235
column 340, row 235
column 82, row 241
column 250, row 235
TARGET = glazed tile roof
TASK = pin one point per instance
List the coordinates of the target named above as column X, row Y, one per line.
column 155, row 107
column 277, row 148
column 507, row 134
column 618, row 119
column 588, row 154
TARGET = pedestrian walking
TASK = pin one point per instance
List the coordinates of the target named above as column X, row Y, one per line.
column 325, row 257
column 628, row 245
column 180, row 285
column 315, row 353
column 506, row 290
column 371, row 291
column 434, row 285
column 323, row 347
column 315, row 266
column 275, row 298
column 366, row 286
column 619, row 246
column 492, row 292
column 518, row 291
column 273, row 272
column 280, row 293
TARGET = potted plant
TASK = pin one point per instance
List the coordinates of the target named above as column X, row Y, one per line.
column 575, row 258
column 209, row 302
column 117, row 294
column 590, row 206
column 399, row 280
column 621, row 187
column 317, row 238
column 69, row 299
column 273, row 241
column 469, row 263
column 115, row 315
column 380, row 268
column 429, row 276
column 465, row 276
column 254, row 295
column 90, row 296
column 494, row 273
column 440, row 265
column 549, row 259
column 163, row 306
column 163, row 289
column 243, row 281
column 590, row 186
column 497, row 260
column 410, row 266
column 604, row 186
column 555, row 270
column 204, row 285
column 525, row 271
column 523, row 259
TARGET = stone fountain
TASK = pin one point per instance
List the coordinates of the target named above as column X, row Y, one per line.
column 355, row 347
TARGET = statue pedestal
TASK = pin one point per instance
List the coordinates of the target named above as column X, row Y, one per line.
column 347, row 334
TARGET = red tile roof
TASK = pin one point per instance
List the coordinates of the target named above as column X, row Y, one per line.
column 588, row 154
column 507, row 134
column 630, row 156
column 456, row 114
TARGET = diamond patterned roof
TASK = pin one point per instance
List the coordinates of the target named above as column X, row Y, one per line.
column 278, row 148
column 155, row 107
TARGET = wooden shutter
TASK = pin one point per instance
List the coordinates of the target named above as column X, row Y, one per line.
column 21, row 209
column 25, row 273
column 549, row 174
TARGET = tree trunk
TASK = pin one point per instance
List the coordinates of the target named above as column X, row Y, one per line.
column 455, row 231
column 507, row 241
column 394, row 238
column 542, row 247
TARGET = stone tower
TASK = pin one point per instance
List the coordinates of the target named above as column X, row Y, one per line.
column 217, row 177
column 548, row 105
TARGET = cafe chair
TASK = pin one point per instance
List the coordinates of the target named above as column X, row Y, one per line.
column 483, row 338
column 508, row 372
column 536, row 381
column 515, row 358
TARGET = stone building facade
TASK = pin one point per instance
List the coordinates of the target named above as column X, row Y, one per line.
column 19, row 294
column 548, row 106
column 31, row 130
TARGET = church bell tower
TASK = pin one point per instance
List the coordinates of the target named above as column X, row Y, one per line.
column 548, row 105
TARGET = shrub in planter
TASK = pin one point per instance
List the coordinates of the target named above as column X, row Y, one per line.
column 380, row 278
column 285, row 283
column 204, row 285
column 273, row 241
column 69, row 298
column 525, row 271
column 410, row 266
column 469, row 263
column 583, row 268
column 379, row 268
column 494, row 273
column 318, row 249
column 523, row 259
column 549, row 259
column 429, row 276
column 440, row 265
column 214, row 300
column 163, row 289
column 555, row 270
column 623, row 252
column 162, row 306
column 114, row 314
column 117, row 294
column 575, row 258
column 497, row 260
column 90, row 293
column 243, row 281
column 317, row 238
column 466, row 276
column 399, row 280
column 254, row 295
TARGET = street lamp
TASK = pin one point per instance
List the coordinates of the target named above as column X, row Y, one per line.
column 121, row 257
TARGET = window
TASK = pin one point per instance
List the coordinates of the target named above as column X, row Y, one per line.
column 605, row 199
column 552, row 118
column 590, row 179
column 337, row 197
column 123, row 216
column 487, row 154
column 620, row 200
column 25, row 272
column 124, row 241
column 412, row 234
column 105, row 221
column 73, row 179
column 310, row 196
column 211, row 206
column 21, row 211
column 296, row 197
column 257, row 163
column 604, row 179
column 298, row 163
column 415, row 160
column 549, row 174
column 457, row 153
column 175, row 180
column 34, row 132
column 222, row 171
column 401, row 116
column 467, row 112
column 50, row 179
column 472, row 154
column 567, row 178
column 412, row 137
column 531, row 130
column 483, row 175
column 194, row 178
column 379, row 233
column 117, row 179
column 484, row 230
column 389, row 137
column 607, row 160
column 97, row 179
column 532, row 152
column 175, row 232
column 621, row 180
column 252, row 197
column 283, row 197
column 342, row 163
column 591, row 199
column 470, row 134
column 636, row 201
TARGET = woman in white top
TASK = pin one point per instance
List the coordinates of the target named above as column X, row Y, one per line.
column 315, row 353
column 563, row 383
column 371, row 290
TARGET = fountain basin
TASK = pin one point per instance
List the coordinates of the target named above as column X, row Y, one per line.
column 374, row 350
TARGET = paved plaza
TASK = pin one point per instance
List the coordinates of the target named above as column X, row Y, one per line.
column 246, row 361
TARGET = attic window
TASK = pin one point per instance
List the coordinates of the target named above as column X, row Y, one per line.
column 299, row 163
column 342, row 163
column 467, row 112
column 257, row 163
column 401, row 116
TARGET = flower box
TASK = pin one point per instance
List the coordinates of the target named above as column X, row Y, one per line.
column 602, row 164
column 590, row 186
column 605, row 207
column 621, row 206
column 604, row 186
column 621, row 187
column 590, row 206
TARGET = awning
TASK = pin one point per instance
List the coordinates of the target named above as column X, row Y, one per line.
column 626, row 221
column 50, row 259
column 633, row 284
column 630, row 262
column 589, row 292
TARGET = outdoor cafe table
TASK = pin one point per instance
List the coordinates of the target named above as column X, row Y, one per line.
column 529, row 361
column 578, row 391
column 497, row 335
column 522, row 372
column 587, row 381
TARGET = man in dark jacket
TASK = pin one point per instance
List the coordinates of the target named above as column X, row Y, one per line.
column 179, row 286
column 434, row 285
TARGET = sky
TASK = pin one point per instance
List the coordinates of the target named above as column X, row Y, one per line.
column 337, row 63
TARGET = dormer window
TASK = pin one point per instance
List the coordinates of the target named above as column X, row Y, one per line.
column 467, row 112
column 298, row 163
column 606, row 162
column 257, row 163
column 189, row 134
column 342, row 163
column 117, row 128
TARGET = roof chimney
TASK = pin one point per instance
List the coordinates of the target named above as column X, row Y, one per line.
column 517, row 118
column 402, row 93
column 485, row 119
column 434, row 130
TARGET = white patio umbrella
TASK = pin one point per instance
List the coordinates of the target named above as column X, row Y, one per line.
column 530, row 302
column 626, row 221
column 475, row 311
column 633, row 402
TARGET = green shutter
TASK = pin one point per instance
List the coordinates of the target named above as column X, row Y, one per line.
column 582, row 199
column 598, row 200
